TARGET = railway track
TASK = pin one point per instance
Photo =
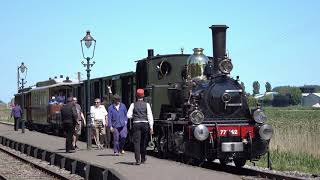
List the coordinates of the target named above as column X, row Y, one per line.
column 247, row 172
column 16, row 165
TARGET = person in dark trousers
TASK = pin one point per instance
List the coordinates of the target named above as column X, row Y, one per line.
column 69, row 119
column 117, row 118
column 142, row 116
column 16, row 113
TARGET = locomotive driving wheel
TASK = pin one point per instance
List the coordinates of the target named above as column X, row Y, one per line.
column 224, row 161
column 239, row 162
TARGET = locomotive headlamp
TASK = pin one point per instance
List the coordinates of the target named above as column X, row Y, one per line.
column 201, row 132
column 225, row 66
column 259, row 116
column 196, row 117
column 266, row 132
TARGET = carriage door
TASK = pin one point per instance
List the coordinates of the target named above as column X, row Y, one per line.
column 28, row 105
column 96, row 89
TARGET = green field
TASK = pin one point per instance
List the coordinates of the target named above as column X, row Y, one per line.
column 295, row 144
column 5, row 113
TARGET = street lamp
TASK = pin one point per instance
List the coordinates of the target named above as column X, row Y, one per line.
column 87, row 40
column 21, row 69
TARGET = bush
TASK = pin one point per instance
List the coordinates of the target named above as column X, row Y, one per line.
column 281, row 101
column 252, row 102
column 267, row 101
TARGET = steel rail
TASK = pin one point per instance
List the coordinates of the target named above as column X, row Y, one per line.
column 249, row 172
column 25, row 160
column 2, row 177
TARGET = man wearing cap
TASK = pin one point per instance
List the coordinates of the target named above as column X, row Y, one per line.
column 117, row 118
column 142, row 116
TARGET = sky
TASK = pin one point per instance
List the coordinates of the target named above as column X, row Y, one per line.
column 274, row 41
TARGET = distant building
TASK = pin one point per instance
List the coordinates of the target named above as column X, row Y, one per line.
column 269, row 95
column 310, row 99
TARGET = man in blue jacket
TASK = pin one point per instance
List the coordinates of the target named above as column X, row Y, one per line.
column 117, row 122
column 16, row 113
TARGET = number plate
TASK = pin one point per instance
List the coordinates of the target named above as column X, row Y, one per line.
column 224, row 132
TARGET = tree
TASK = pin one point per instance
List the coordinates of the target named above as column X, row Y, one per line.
column 243, row 87
column 294, row 93
column 268, row 87
column 252, row 102
column 256, row 87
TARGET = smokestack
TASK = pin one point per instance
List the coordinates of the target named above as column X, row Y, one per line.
column 150, row 53
column 218, row 43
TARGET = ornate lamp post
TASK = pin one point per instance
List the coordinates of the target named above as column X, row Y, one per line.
column 87, row 40
column 21, row 69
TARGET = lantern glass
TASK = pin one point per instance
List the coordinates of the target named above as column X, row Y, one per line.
column 88, row 40
column 22, row 68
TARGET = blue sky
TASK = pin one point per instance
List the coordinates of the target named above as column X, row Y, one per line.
column 275, row 41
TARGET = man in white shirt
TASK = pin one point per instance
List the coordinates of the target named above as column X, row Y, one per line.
column 99, row 119
column 142, row 116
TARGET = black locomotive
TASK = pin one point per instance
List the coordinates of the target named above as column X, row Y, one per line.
column 200, row 111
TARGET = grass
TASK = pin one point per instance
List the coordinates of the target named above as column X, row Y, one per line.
column 296, row 130
column 295, row 145
column 288, row 161
column 5, row 114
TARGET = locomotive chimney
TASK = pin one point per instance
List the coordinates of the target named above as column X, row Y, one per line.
column 218, row 43
column 150, row 53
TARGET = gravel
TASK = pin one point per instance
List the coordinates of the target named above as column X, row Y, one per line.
column 13, row 168
column 290, row 173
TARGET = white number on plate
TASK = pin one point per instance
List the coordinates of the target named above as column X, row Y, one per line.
column 224, row 131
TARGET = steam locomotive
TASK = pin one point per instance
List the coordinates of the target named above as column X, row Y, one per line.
column 200, row 111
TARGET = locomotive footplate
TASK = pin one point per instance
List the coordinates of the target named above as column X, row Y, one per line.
column 232, row 147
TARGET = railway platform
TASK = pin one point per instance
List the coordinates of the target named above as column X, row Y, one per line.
column 101, row 164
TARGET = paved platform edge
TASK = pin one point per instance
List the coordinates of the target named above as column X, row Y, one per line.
column 82, row 168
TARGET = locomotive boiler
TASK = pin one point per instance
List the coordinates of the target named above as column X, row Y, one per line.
column 200, row 111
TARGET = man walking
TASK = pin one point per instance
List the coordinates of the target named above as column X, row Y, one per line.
column 16, row 113
column 118, row 124
column 99, row 117
column 69, row 119
column 80, row 121
column 142, row 116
